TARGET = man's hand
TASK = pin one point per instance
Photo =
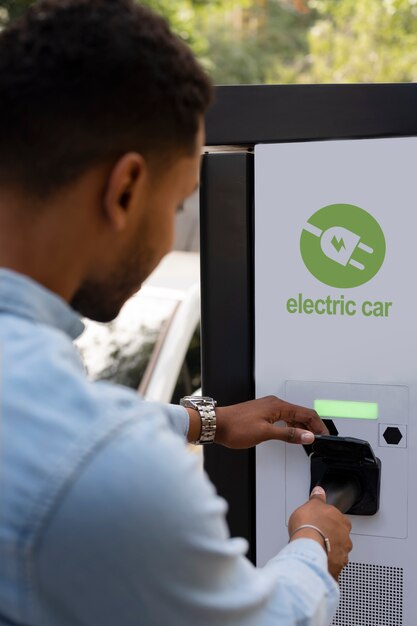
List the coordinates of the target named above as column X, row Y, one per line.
column 335, row 526
column 250, row 423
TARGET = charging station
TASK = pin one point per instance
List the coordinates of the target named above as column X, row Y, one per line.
column 308, row 220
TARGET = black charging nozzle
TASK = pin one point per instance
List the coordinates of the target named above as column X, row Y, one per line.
column 348, row 471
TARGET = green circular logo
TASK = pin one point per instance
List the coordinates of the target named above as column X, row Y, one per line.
column 342, row 245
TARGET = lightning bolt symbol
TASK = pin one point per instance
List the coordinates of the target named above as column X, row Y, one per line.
column 338, row 244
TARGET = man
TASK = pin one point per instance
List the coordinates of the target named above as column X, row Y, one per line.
column 104, row 519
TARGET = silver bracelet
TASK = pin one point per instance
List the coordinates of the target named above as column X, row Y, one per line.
column 321, row 533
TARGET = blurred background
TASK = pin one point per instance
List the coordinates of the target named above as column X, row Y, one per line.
column 154, row 345
column 291, row 41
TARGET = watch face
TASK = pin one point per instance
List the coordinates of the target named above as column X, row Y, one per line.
column 194, row 401
column 188, row 402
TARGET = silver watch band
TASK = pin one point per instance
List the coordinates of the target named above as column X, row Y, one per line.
column 208, row 423
column 206, row 410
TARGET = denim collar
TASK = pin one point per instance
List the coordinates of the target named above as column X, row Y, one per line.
column 23, row 297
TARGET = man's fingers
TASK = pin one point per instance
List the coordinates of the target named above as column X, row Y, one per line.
column 313, row 421
column 319, row 493
column 306, row 417
column 290, row 434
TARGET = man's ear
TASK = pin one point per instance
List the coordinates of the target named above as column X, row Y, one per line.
column 123, row 181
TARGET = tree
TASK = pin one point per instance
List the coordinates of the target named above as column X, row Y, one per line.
column 238, row 41
column 254, row 41
column 241, row 41
column 367, row 41
column 181, row 15
column 265, row 41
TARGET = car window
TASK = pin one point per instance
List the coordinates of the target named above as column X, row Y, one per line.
column 121, row 350
column 189, row 379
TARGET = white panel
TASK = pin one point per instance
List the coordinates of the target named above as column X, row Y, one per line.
column 292, row 183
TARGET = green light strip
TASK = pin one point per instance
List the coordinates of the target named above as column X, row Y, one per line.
column 346, row 409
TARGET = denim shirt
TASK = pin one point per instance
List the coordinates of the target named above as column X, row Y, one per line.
column 105, row 518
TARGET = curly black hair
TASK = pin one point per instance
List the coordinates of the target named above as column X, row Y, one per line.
column 85, row 81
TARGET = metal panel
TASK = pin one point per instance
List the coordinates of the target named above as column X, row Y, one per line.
column 227, row 321
column 370, row 595
column 247, row 115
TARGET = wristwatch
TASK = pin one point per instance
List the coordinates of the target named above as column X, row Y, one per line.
column 206, row 409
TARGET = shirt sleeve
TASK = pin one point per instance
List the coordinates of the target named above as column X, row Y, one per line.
column 140, row 538
column 178, row 419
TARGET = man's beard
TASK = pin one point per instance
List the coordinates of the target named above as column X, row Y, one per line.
column 102, row 299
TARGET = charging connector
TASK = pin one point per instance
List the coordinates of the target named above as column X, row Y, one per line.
column 339, row 244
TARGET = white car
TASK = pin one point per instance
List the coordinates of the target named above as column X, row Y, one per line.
column 154, row 344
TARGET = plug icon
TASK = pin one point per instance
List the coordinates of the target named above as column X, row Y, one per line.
column 339, row 244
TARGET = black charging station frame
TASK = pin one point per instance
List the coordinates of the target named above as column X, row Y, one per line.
column 241, row 118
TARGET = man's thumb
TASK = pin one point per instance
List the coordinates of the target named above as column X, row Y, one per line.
column 318, row 492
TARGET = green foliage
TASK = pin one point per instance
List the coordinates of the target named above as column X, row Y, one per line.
column 264, row 41
column 367, row 41
column 253, row 43
column 261, row 41
column 240, row 41
column 181, row 15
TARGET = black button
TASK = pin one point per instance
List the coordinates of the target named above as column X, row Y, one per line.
column 392, row 435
